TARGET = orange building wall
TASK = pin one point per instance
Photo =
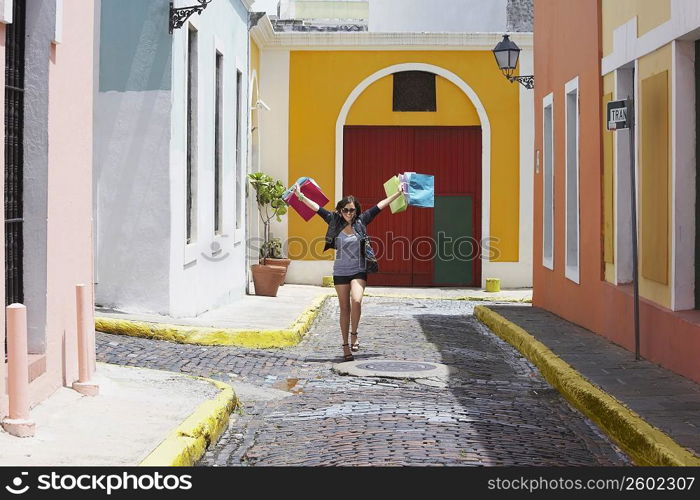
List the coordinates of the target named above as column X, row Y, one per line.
column 566, row 45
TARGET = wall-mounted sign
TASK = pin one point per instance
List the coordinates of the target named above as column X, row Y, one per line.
column 618, row 113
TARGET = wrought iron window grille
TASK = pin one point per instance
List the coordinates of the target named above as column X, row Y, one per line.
column 179, row 15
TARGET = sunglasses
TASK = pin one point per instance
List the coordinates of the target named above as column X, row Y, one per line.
column 348, row 210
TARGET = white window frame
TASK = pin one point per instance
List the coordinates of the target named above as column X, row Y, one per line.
column 572, row 269
column 192, row 247
column 547, row 102
column 238, row 223
column 221, row 238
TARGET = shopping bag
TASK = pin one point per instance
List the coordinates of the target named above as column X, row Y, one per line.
column 403, row 180
column 311, row 190
column 421, row 190
column 399, row 204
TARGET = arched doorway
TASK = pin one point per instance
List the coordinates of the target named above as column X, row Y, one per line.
column 437, row 246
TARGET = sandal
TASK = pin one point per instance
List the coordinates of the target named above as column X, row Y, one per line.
column 348, row 357
column 355, row 345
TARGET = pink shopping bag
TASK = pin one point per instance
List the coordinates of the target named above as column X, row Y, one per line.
column 311, row 190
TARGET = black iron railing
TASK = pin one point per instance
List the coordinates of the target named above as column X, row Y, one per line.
column 14, row 154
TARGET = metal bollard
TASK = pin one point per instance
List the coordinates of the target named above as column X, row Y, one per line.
column 18, row 422
column 493, row 285
column 84, row 384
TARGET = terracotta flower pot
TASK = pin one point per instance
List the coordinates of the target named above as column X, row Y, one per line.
column 279, row 262
column 266, row 279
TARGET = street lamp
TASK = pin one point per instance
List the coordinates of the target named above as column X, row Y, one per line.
column 507, row 52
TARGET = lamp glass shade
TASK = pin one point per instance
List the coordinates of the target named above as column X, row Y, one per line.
column 506, row 53
column 503, row 59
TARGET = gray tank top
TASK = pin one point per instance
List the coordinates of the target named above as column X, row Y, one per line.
column 348, row 260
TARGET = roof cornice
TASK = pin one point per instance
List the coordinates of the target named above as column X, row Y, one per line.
column 265, row 36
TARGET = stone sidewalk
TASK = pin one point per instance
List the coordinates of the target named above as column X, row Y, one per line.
column 662, row 398
column 252, row 312
column 135, row 411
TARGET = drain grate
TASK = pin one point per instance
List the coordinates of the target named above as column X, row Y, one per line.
column 393, row 368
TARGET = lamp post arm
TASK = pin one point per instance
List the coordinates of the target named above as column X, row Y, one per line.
column 178, row 15
column 527, row 81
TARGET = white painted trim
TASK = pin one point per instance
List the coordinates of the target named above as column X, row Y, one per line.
column 248, row 4
column 253, row 84
column 262, row 31
column 220, row 49
column 239, row 167
column 191, row 251
column 527, row 175
column 194, row 21
column 58, row 27
column 685, row 18
column 624, row 87
column 616, row 188
column 672, row 117
column 572, row 272
column 238, row 236
column 220, row 46
column 473, row 97
column 6, row 11
column 637, row 155
column 274, row 143
column 265, row 36
column 683, row 168
column 571, row 85
column 547, row 101
column 309, row 272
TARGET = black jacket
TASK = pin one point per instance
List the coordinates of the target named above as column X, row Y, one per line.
column 336, row 223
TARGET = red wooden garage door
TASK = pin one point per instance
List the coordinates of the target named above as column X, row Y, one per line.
column 407, row 243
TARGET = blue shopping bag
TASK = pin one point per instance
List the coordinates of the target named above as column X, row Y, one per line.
column 421, row 190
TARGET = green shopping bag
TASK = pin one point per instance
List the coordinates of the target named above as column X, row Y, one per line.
column 399, row 204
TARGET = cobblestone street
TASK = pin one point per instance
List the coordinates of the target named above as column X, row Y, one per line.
column 495, row 410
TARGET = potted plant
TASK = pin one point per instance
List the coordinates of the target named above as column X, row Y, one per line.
column 271, row 253
column 268, row 195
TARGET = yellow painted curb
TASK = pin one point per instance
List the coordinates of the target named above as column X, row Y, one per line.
column 188, row 442
column 645, row 444
column 216, row 336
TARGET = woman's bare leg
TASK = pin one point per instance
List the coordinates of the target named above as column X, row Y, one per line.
column 343, row 292
column 357, row 290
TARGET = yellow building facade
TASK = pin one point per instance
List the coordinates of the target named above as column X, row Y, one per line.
column 317, row 86
column 649, row 54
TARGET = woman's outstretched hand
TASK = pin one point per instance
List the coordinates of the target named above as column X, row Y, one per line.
column 309, row 203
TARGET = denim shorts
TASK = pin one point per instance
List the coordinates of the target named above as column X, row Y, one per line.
column 345, row 280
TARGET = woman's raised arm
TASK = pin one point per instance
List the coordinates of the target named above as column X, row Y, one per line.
column 382, row 204
column 309, row 203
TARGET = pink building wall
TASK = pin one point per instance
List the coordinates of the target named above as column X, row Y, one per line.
column 69, row 232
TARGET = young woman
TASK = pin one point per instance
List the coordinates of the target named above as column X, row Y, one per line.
column 346, row 232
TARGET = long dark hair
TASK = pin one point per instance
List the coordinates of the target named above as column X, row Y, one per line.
column 349, row 199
